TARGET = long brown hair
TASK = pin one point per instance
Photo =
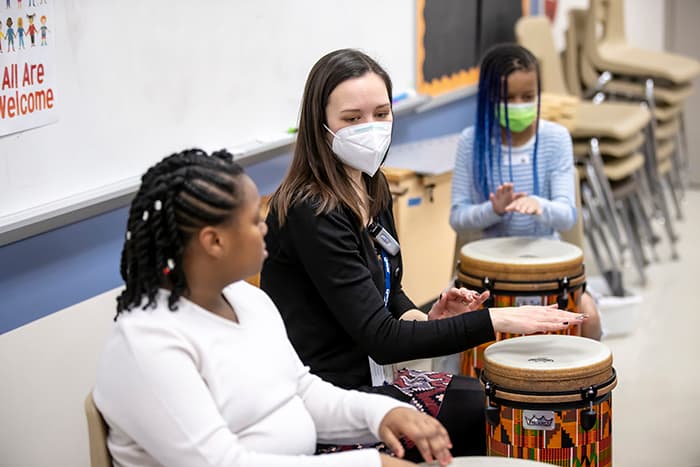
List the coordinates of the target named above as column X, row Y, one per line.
column 315, row 172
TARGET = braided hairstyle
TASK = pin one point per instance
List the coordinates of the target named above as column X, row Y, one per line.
column 498, row 64
column 178, row 196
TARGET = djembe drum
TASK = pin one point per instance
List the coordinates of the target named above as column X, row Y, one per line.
column 549, row 399
column 521, row 271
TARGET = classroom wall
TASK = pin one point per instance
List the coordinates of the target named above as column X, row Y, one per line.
column 59, row 288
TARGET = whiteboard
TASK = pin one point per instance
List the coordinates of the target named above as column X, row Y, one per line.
column 138, row 80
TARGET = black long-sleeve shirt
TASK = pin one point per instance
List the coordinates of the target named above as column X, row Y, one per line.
column 324, row 275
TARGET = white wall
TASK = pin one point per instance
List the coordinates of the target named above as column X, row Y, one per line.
column 46, row 370
column 644, row 22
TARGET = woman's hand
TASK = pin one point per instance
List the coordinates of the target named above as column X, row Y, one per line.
column 529, row 319
column 430, row 436
column 454, row 301
column 525, row 205
column 503, row 197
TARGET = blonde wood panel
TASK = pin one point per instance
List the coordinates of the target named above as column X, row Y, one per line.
column 421, row 209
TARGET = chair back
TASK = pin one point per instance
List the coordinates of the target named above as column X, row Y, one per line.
column 97, row 434
column 579, row 65
column 573, row 50
column 535, row 34
column 575, row 234
column 604, row 24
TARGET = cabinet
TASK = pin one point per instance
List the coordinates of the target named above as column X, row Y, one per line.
column 421, row 206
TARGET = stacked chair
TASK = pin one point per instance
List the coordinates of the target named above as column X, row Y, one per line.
column 608, row 137
column 608, row 64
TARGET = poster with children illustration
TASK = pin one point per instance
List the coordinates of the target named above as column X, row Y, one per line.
column 27, row 65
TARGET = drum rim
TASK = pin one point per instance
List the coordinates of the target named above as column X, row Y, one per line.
column 563, row 398
column 576, row 254
column 509, row 282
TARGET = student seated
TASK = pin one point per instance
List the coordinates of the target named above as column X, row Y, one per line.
column 514, row 173
column 198, row 370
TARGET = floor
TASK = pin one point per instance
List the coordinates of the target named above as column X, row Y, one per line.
column 656, row 416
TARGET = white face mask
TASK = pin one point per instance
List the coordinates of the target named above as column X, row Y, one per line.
column 362, row 146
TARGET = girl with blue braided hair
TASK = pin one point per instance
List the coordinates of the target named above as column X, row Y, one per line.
column 514, row 173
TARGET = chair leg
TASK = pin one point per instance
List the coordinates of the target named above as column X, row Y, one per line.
column 603, row 193
column 672, row 182
column 679, row 171
column 593, row 226
column 632, row 241
column 651, row 165
column 645, row 224
column 685, row 155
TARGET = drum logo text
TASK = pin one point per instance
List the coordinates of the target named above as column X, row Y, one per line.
column 540, row 360
column 538, row 420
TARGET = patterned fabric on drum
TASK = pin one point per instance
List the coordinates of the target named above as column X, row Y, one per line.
column 566, row 445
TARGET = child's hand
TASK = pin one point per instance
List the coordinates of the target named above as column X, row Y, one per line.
column 525, row 205
column 503, row 197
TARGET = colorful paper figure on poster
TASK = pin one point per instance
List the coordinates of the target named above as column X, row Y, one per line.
column 44, row 29
column 10, row 35
column 20, row 33
column 31, row 29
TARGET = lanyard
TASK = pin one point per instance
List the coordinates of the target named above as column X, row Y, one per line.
column 377, row 371
column 387, row 276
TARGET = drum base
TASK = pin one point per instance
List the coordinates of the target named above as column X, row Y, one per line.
column 561, row 441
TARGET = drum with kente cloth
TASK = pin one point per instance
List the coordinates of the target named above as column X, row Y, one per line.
column 481, row 461
column 549, row 399
column 521, row 271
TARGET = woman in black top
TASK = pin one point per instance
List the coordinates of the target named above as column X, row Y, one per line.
column 327, row 275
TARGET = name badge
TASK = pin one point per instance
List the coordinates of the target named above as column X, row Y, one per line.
column 519, row 159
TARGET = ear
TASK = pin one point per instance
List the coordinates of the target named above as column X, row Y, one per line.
column 211, row 241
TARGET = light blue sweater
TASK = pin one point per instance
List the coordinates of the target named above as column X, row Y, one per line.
column 555, row 170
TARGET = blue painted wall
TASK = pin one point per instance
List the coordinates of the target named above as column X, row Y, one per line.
column 57, row 269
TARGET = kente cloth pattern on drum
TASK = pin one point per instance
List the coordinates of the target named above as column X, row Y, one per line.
column 567, row 445
column 472, row 360
column 426, row 390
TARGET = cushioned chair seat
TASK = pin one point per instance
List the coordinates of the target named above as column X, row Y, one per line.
column 619, row 168
column 611, row 147
column 664, row 150
column 620, row 58
column 618, row 120
column 674, row 95
column 665, row 113
column 668, row 129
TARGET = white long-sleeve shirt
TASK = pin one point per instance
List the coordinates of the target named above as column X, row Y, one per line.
column 555, row 170
column 189, row 388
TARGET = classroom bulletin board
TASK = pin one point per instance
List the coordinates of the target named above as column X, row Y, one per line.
column 452, row 35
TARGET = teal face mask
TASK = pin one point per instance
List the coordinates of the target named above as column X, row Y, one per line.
column 520, row 116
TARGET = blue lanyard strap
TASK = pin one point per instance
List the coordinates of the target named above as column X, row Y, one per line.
column 387, row 276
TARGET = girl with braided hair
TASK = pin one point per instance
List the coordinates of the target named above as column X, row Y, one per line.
column 198, row 369
column 514, row 173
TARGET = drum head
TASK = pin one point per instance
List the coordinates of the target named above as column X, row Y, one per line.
column 547, row 363
column 521, row 258
column 490, row 462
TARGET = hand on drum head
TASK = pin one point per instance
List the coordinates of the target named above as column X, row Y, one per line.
column 529, row 319
column 454, row 301
column 426, row 432
column 525, row 205
column 503, row 197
